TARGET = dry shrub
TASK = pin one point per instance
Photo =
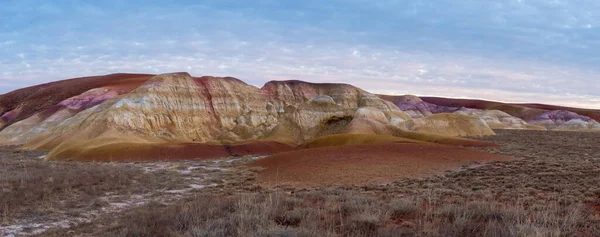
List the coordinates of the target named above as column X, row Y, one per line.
column 365, row 224
column 537, row 195
column 34, row 186
column 404, row 209
column 346, row 214
column 494, row 219
column 289, row 218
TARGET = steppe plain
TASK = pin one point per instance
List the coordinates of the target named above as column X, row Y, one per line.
column 549, row 188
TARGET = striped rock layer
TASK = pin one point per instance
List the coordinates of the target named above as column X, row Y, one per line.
column 113, row 115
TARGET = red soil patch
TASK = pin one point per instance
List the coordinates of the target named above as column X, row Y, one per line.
column 259, row 148
column 467, row 143
column 596, row 208
column 364, row 164
column 180, row 151
column 31, row 100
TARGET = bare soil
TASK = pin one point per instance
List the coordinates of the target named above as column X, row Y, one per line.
column 175, row 151
column 365, row 164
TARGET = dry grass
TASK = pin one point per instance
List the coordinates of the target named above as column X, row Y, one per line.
column 344, row 213
column 31, row 188
column 550, row 190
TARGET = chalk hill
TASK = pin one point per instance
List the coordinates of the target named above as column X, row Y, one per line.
column 170, row 116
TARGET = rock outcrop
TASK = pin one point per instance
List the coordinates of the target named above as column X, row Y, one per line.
column 129, row 115
column 24, row 103
column 563, row 120
column 548, row 116
column 369, row 120
column 579, row 125
column 416, row 107
column 497, row 119
column 319, row 116
column 500, row 115
column 169, row 108
column 24, row 130
column 176, row 108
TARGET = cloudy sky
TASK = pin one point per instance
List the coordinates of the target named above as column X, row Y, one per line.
column 509, row 50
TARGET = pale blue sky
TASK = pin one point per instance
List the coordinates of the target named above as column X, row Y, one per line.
column 511, row 50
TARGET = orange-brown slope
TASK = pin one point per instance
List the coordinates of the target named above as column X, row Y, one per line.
column 364, row 164
column 140, row 151
column 23, row 103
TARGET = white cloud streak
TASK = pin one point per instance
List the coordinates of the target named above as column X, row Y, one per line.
column 532, row 51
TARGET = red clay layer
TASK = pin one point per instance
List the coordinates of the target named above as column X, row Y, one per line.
column 186, row 151
column 259, row 148
column 466, row 143
column 364, row 164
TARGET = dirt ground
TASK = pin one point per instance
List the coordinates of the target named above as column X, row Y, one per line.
column 549, row 189
column 365, row 164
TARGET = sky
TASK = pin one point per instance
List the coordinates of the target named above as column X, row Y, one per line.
column 545, row 51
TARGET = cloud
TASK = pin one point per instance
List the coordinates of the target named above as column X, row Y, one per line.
column 534, row 50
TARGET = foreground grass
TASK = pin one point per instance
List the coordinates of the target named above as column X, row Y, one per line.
column 33, row 189
column 344, row 213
